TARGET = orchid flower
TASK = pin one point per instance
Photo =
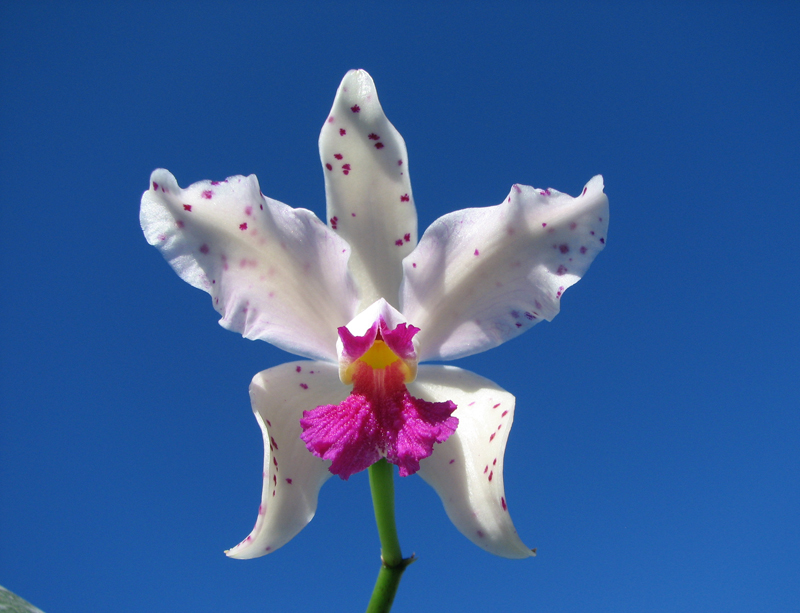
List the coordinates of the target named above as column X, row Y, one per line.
column 367, row 302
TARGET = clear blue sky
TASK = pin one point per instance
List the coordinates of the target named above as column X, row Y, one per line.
column 655, row 454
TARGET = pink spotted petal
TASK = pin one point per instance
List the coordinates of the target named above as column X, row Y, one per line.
column 292, row 476
column 370, row 203
column 365, row 427
column 480, row 277
column 273, row 272
column 467, row 469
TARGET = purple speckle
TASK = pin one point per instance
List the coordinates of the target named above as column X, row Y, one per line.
column 207, row 194
column 204, row 250
column 451, row 461
column 299, row 369
column 179, row 223
column 342, row 132
column 583, row 249
column 155, row 186
column 187, row 207
column 563, row 248
column 304, row 386
column 374, row 136
column 603, row 241
column 561, row 270
column 503, row 503
column 289, row 481
column 404, row 198
column 544, row 225
column 243, row 226
column 379, row 145
column 355, row 108
column 328, row 166
column 338, row 156
column 477, row 252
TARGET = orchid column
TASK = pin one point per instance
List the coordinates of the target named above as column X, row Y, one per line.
column 366, row 304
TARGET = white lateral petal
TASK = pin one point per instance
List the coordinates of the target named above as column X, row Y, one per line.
column 368, row 189
column 274, row 273
column 482, row 276
column 467, row 469
column 292, row 475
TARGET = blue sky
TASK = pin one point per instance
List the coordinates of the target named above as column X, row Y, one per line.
column 655, row 454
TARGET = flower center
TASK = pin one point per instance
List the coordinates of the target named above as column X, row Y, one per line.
column 379, row 418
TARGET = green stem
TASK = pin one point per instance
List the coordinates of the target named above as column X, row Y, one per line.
column 381, row 482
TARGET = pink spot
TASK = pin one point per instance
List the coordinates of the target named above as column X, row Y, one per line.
column 289, row 481
column 399, row 162
column 334, row 222
column 491, row 474
column 355, row 108
column 379, row 145
column 561, row 270
column 328, row 166
column 304, row 386
column 399, row 242
column 352, row 214
column 342, row 131
column 203, row 248
column 207, row 194
column 516, row 187
column 495, row 406
column 503, row 502
column 519, row 325
column 491, row 438
column 346, row 169
column 573, row 225
column 544, row 225
column 602, row 240
column 261, row 206
column 407, row 237
column 414, row 264
column 299, row 369
column 498, row 427
column 275, row 461
column 584, row 191
column 269, row 425
column 217, row 182
column 269, row 547
column 374, row 136
column 162, row 237
column 404, row 198
column 261, row 509
column 494, row 462
column 338, row 156
column 248, row 210
column 330, row 119
column 273, row 492
column 274, row 481
column 243, row 226
column 564, row 248
column 480, row 533
column 486, row 470
column 451, row 461
column 503, row 415
column 187, row 207
column 272, row 439
column 583, row 249
column 477, row 252
column 155, row 186
column 179, row 223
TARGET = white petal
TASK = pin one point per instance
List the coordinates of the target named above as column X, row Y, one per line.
column 274, row 273
column 370, row 202
column 467, row 469
column 292, row 475
column 482, row 276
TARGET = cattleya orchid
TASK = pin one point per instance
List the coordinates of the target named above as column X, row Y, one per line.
column 367, row 303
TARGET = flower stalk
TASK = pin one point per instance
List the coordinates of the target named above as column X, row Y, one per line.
column 381, row 483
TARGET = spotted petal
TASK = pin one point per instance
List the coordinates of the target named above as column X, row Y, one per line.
column 368, row 189
column 482, row 276
column 467, row 469
column 273, row 272
column 292, row 476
